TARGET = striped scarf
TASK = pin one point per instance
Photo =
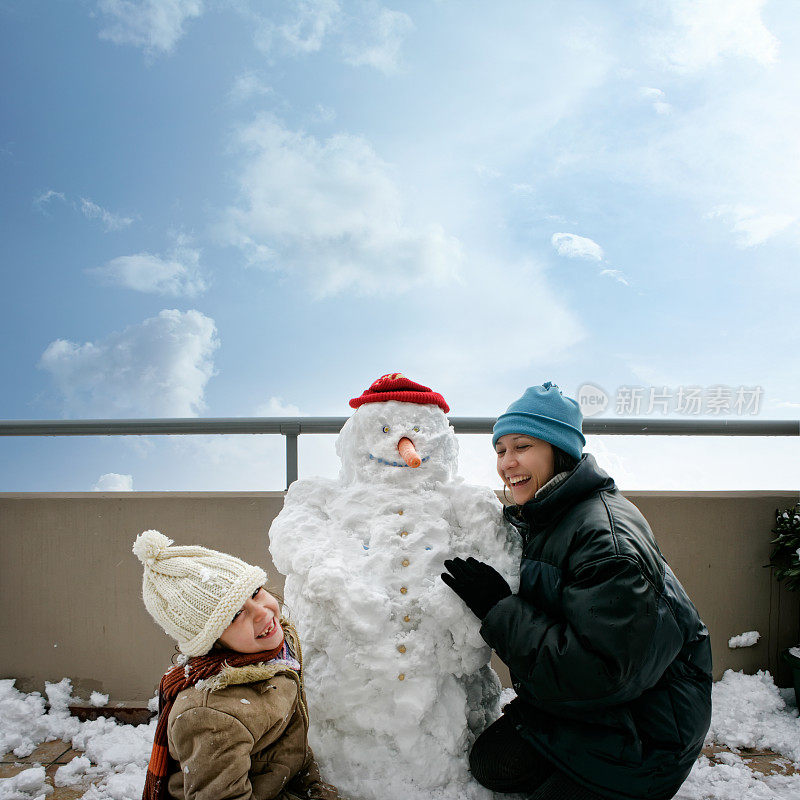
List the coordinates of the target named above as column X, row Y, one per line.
column 183, row 676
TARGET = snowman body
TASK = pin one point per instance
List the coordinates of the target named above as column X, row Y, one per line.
column 396, row 673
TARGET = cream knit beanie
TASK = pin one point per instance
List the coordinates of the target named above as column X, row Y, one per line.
column 193, row 592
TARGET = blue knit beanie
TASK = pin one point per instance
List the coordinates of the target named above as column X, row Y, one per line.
column 544, row 413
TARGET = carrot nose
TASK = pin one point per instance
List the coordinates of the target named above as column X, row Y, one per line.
column 409, row 452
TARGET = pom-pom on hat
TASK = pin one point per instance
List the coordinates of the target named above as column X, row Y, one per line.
column 544, row 413
column 193, row 592
column 395, row 386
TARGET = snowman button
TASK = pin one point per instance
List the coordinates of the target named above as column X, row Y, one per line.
column 401, row 648
column 401, row 676
column 404, row 533
column 406, row 618
column 405, row 562
column 403, row 590
column 400, row 512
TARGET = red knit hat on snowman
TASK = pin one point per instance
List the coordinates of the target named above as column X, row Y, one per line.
column 395, row 386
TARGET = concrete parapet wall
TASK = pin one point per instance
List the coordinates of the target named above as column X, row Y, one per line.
column 71, row 588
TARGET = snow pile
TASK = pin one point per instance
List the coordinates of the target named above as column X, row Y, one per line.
column 73, row 772
column 747, row 639
column 98, row 700
column 397, row 675
column 27, row 784
column 748, row 711
column 736, row 781
column 25, row 724
column 119, row 752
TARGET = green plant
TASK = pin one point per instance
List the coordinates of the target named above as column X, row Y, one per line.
column 785, row 556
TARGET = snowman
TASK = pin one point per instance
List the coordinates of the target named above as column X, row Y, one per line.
column 397, row 676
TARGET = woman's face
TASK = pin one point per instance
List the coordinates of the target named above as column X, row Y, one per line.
column 524, row 464
column 256, row 626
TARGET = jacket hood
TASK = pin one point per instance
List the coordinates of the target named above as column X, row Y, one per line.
column 235, row 676
column 585, row 479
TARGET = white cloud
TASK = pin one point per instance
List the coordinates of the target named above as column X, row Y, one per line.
column 487, row 173
column 157, row 368
column 305, row 29
column 113, row 482
column 277, row 408
column 616, row 274
column 154, row 25
column 707, row 30
column 365, row 33
column 42, row 200
column 471, row 337
column 176, row 274
column 651, row 93
column 323, row 113
column 571, row 245
column 248, row 85
column 332, row 210
column 751, row 226
column 733, row 146
column 89, row 209
column 657, row 97
column 111, row 222
column 377, row 40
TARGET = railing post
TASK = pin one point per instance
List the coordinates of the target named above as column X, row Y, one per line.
column 291, row 432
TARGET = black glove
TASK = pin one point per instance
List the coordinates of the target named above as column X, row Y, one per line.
column 480, row 586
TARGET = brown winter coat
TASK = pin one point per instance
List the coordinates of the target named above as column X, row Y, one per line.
column 244, row 736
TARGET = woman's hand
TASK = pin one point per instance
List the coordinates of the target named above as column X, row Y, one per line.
column 480, row 586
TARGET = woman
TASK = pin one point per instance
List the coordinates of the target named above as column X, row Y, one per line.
column 608, row 656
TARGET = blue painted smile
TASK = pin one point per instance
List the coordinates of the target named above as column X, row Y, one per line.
column 392, row 463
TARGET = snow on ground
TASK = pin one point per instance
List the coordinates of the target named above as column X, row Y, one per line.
column 118, row 752
column 748, row 711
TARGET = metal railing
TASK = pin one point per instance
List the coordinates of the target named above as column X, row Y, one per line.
column 292, row 427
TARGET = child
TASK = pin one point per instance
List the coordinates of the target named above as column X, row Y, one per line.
column 232, row 720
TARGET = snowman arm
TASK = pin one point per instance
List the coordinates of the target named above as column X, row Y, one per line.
column 485, row 534
column 302, row 526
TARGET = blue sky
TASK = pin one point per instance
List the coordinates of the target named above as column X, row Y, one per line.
column 232, row 207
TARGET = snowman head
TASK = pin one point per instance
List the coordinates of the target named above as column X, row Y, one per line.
column 397, row 424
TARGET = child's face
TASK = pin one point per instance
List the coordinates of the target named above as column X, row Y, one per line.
column 256, row 626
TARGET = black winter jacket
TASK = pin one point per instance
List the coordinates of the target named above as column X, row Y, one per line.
column 609, row 658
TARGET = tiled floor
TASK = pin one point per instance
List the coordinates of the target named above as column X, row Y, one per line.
column 763, row 761
column 52, row 755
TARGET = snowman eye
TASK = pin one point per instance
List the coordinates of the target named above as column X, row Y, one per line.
column 416, row 429
column 386, row 429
